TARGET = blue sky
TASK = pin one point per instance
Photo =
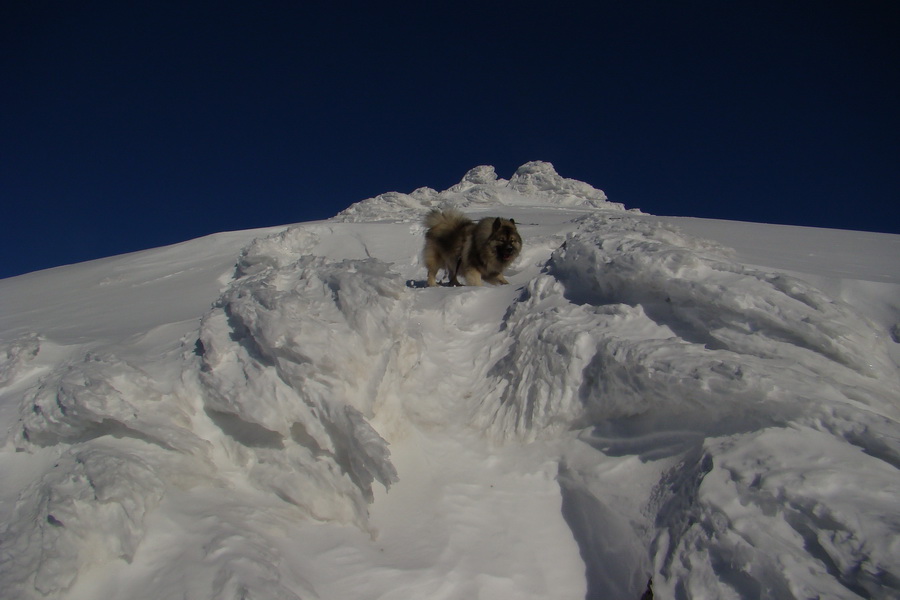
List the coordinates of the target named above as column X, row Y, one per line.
column 130, row 125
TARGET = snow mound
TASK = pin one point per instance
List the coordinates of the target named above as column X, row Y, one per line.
column 632, row 317
column 534, row 184
column 653, row 345
column 118, row 443
column 290, row 359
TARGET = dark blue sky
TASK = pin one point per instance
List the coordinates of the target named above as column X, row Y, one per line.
column 129, row 125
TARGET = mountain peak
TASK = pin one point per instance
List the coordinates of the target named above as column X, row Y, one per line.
column 535, row 183
column 484, row 174
column 538, row 177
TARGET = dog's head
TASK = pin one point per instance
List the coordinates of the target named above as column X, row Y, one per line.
column 505, row 240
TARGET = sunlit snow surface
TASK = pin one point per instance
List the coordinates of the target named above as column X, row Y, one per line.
column 289, row 413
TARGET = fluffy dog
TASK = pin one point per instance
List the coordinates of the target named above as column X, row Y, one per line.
column 477, row 251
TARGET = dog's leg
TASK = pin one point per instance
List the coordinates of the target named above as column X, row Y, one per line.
column 433, row 269
column 452, row 270
column 473, row 277
column 431, row 277
column 454, row 280
column 433, row 264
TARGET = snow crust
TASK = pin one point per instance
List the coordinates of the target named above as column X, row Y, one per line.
column 289, row 414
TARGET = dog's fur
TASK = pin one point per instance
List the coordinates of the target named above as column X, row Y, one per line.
column 477, row 251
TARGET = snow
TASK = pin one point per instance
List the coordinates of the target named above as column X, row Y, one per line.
column 289, row 413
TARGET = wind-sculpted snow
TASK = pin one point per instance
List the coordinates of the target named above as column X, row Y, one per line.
column 786, row 512
column 119, row 443
column 657, row 345
column 533, row 183
column 102, row 395
column 704, row 297
column 290, row 363
column 87, row 508
column 16, row 355
column 631, row 317
column 637, row 397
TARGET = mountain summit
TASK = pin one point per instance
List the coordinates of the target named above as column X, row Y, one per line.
column 535, row 183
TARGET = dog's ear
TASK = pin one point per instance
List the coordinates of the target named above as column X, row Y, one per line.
column 496, row 225
column 513, row 221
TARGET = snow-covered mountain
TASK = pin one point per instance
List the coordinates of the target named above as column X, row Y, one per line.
column 288, row 413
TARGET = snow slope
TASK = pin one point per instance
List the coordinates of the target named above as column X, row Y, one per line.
column 289, row 413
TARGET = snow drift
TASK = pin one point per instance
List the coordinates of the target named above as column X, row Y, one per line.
column 639, row 404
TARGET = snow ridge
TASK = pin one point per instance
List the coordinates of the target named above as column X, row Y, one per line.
column 722, row 430
column 285, row 359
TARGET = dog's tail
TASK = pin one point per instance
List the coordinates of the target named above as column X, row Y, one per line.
column 449, row 218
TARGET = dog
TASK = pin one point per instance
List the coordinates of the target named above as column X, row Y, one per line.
column 478, row 251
